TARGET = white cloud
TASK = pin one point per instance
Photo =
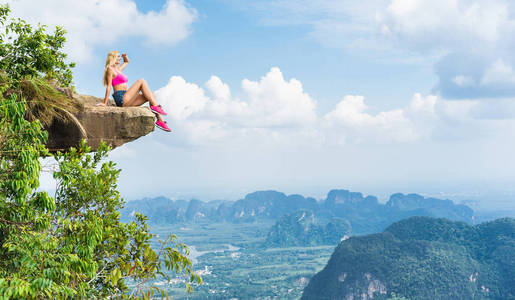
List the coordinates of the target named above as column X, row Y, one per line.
column 267, row 104
column 498, row 73
column 463, row 38
column 278, row 102
column 224, row 140
column 218, row 89
column 182, row 99
column 473, row 38
column 463, row 81
column 421, row 25
column 277, row 111
column 445, row 24
column 423, row 106
column 351, row 119
column 91, row 23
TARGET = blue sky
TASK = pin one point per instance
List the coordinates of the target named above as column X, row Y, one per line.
column 232, row 43
column 303, row 96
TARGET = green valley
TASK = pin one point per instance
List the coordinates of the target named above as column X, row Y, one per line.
column 270, row 245
column 233, row 263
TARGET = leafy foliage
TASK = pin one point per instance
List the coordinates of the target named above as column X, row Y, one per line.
column 33, row 67
column 72, row 244
column 31, row 52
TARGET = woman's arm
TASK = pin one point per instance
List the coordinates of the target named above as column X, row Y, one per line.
column 125, row 62
column 108, row 88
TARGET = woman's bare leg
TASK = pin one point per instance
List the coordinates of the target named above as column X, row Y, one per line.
column 137, row 100
column 140, row 85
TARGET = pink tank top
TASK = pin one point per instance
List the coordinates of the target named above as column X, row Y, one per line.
column 119, row 79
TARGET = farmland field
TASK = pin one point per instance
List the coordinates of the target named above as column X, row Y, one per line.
column 235, row 263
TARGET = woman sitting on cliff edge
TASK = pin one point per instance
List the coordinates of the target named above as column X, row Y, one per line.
column 131, row 96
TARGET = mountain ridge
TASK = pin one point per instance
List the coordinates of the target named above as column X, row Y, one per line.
column 363, row 213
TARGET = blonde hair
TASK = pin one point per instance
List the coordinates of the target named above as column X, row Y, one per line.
column 111, row 60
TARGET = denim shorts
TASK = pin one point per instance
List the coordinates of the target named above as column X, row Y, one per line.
column 118, row 97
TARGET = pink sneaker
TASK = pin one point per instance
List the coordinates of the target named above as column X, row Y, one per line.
column 158, row 110
column 162, row 126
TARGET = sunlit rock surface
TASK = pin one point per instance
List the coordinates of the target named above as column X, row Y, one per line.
column 114, row 125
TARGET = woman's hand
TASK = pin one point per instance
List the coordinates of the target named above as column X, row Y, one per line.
column 101, row 104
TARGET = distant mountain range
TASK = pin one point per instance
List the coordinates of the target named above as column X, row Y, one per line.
column 422, row 258
column 325, row 222
column 273, row 205
column 255, row 206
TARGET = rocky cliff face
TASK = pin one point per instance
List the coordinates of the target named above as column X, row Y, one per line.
column 114, row 125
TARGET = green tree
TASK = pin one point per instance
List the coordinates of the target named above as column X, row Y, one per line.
column 32, row 66
column 29, row 51
column 71, row 245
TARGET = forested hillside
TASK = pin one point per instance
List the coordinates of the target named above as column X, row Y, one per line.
column 301, row 229
column 422, row 258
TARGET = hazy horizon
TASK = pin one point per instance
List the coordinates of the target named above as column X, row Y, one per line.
column 482, row 201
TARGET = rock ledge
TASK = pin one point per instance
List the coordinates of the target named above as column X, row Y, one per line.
column 114, row 125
